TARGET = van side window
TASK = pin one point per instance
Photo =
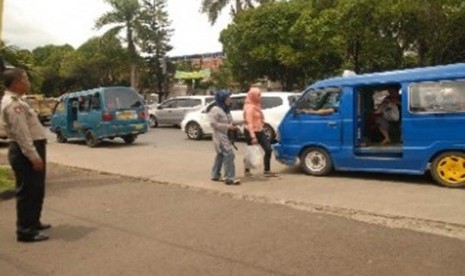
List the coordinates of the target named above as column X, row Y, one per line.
column 270, row 102
column 169, row 104
column 319, row 99
column 237, row 103
column 193, row 102
column 437, row 97
column 84, row 103
column 95, row 102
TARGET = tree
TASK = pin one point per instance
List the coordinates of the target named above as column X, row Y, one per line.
column 214, row 7
column 154, row 38
column 125, row 15
column 48, row 60
column 20, row 58
column 271, row 42
column 101, row 61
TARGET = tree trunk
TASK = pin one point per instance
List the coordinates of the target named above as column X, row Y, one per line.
column 133, row 76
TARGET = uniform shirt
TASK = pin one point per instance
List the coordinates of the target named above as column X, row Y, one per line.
column 21, row 123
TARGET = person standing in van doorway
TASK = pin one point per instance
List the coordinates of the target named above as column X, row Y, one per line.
column 221, row 122
column 26, row 154
column 254, row 134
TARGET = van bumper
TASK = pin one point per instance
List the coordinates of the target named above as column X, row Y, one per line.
column 123, row 130
column 279, row 152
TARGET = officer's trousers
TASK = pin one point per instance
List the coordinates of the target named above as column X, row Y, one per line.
column 30, row 186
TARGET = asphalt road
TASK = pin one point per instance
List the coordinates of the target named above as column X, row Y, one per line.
column 164, row 155
column 106, row 224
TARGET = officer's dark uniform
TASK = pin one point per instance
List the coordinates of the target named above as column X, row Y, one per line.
column 28, row 142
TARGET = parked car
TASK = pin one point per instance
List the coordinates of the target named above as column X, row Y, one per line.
column 172, row 111
column 274, row 105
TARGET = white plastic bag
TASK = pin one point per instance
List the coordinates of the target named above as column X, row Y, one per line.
column 253, row 156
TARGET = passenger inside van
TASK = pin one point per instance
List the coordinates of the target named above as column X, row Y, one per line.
column 386, row 112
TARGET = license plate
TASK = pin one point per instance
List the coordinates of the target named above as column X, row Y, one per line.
column 138, row 126
column 126, row 115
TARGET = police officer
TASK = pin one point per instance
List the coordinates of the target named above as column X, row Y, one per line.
column 26, row 155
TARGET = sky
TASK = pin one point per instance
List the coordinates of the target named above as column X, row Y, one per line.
column 32, row 23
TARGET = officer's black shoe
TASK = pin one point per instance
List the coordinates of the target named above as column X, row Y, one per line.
column 36, row 237
column 43, row 226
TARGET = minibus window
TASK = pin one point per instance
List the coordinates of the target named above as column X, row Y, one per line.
column 95, row 102
column 437, row 97
column 122, row 98
column 319, row 99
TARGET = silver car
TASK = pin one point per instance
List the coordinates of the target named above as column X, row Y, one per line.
column 172, row 111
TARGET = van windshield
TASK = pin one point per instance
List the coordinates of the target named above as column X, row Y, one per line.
column 122, row 98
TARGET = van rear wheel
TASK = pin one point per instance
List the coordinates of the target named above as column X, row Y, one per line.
column 316, row 161
column 448, row 169
column 129, row 139
column 91, row 141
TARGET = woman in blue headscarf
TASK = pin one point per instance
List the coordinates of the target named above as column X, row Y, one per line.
column 221, row 121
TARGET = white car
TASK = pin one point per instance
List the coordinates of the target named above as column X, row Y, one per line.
column 172, row 111
column 274, row 106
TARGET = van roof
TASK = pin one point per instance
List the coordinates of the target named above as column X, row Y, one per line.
column 451, row 71
column 92, row 91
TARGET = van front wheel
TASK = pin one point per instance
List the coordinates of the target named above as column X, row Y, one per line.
column 448, row 169
column 316, row 161
column 60, row 137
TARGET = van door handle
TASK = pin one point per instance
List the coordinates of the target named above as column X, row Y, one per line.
column 332, row 124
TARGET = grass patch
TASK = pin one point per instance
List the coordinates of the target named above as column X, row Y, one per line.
column 7, row 179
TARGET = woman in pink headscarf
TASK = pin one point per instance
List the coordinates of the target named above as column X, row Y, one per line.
column 254, row 134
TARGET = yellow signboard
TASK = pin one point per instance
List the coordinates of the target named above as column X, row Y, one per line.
column 205, row 73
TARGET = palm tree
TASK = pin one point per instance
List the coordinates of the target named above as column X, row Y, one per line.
column 214, row 7
column 125, row 15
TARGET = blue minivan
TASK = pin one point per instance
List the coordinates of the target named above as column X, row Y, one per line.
column 96, row 114
column 405, row 121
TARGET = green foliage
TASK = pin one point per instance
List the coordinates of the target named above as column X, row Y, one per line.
column 294, row 42
column 124, row 16
column 154, row 37
column 98, row 62
column 7, row 179
column 47, row 63
column 299, row 41
column 213, row 8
